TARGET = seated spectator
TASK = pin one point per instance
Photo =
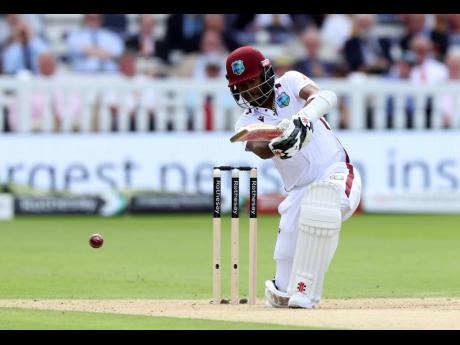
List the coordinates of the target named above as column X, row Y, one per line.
column 57, row 102
column 427, row 69
column 280, row 27
column 416, row 25
column 364, row 51
column 301, row 21
column 273, row 22
column 144, row 43
column 453, row 29
column 450, row 103
column 94, row 49
column 35, row 22
column 212, row 67
column 181, row 29
column 129, row 103
column 116, row 22
column 238, row 26
column 401, row 70
column 23, row 51
column 213, row 70
column 9, row 21
column 216, row 22
column 336, row 30
column 388, row 19
column 209, row 63
column 193, row 65
column 312, row 65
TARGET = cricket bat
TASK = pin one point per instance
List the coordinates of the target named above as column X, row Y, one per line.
column 257, row 132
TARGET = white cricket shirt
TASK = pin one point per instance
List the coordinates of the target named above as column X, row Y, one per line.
column 312, row 160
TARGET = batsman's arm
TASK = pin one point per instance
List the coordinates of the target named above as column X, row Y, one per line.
column 319, row 102
column 260, row 148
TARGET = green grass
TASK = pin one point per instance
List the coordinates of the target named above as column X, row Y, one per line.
column 169, row 256
column 29, row 319
column 397, row 256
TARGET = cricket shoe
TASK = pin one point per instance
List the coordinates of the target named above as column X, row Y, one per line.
column 275, row 297
column 300, row 300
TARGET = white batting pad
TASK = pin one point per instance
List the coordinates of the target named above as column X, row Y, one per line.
column 319, row 224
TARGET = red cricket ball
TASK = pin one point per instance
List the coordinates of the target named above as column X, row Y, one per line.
column 96, row 241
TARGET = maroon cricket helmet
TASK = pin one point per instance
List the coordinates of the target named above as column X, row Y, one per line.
column 247, row 63
column 244, row 63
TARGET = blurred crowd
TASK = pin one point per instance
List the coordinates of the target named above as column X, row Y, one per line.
column 420, row 48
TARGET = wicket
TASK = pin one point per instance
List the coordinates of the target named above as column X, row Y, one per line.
column 235, row 228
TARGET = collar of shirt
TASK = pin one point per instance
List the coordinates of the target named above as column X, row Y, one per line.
column 265, row 112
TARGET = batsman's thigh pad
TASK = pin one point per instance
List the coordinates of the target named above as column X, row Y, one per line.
column 319, row 224
column 347, row 177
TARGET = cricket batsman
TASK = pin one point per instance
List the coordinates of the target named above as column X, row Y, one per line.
column 323, row 186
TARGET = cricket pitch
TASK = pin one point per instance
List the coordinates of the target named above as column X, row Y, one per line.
column 369, row 313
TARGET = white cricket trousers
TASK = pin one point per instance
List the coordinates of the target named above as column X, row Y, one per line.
column 347, row 177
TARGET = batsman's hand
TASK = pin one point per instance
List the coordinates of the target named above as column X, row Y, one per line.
column 306, row 128
column 297, row 132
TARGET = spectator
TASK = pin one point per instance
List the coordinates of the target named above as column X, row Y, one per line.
column 9, row 21
column 364, row 51
column 453, row 29
column 209, row 64
column 401, row 70
column 427, row 69
column 193, row 65
column 416, row 25
column 55, row 101
column 301, row 21
column 216, row 22
column 312, row 65
column 238, row 22
column 144, row 43
column 273, row 22
column 23, row 51
column 181, row 33
column 238, row 26
column 336, row 30
column 35, row 22
column 129, row 102
column 116, row 22
column 214, row 69
column 206, row 64
column 94, row 49
column 280, row 27
column 389, row 19
column 450, row 103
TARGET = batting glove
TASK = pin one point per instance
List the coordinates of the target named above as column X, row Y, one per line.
column 297, row 132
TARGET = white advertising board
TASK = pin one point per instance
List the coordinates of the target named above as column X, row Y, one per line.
column 394, row 165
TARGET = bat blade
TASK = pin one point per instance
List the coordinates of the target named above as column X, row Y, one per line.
column 257, row 132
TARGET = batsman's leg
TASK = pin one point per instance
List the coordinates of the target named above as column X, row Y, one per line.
column 348, row 179
column 319, row 225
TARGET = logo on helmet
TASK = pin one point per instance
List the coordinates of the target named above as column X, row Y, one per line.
column 238, row 67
